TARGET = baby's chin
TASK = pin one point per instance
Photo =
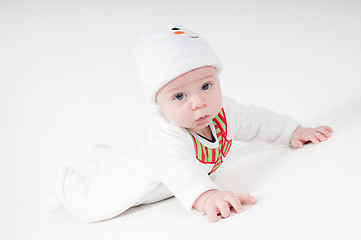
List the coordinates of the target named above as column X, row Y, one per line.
column 199, row 128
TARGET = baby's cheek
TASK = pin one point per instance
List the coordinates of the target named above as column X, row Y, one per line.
column 177, row 118
column 217, row 102
column 183, row 120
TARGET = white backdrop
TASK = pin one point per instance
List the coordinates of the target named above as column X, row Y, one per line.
column 68, row 81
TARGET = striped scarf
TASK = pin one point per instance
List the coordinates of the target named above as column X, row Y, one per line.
column 214, row 155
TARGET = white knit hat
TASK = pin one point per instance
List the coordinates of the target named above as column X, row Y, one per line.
column 164, row 55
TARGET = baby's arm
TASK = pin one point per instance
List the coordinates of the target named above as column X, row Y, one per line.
column 303, row 135
column 214, row 202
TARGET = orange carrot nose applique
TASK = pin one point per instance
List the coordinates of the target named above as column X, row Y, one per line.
column 180, row 31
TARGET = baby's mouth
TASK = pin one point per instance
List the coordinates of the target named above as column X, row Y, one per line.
column 203, row 119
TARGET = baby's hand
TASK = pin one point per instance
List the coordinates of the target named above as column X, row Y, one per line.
column 215, row 202
column 304, row 135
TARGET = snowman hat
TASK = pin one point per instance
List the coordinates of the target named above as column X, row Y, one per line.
column 164, row 55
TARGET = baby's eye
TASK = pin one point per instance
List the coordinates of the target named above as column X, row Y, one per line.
column 179, row 96
column 206, row 86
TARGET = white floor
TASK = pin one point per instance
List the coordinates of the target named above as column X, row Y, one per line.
column 68, row 81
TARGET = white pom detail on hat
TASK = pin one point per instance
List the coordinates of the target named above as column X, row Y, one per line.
column 164, row 55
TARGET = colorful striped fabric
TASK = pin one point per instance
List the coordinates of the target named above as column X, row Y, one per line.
column 214, row 155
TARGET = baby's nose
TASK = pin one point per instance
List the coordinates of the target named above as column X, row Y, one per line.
column 198, row 103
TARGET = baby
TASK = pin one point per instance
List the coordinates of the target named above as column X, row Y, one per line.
column 190, row 136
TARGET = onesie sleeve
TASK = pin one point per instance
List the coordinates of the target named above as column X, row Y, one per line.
column 252, row 123
column 176, row 167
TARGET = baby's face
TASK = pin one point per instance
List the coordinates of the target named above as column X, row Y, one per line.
column 193, row 99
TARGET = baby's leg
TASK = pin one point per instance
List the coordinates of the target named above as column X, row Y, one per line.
column 111, row 190
column 159, row 193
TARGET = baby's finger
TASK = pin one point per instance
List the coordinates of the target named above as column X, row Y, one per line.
column 235, row 203
column 323, row 131
column 211, row 213
column 223, row 208
column 314, row 139
column 320, row 136
column 327, row 128
column 296, row 143
column 246, row 198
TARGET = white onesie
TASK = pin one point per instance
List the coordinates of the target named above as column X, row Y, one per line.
column 170, row 161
